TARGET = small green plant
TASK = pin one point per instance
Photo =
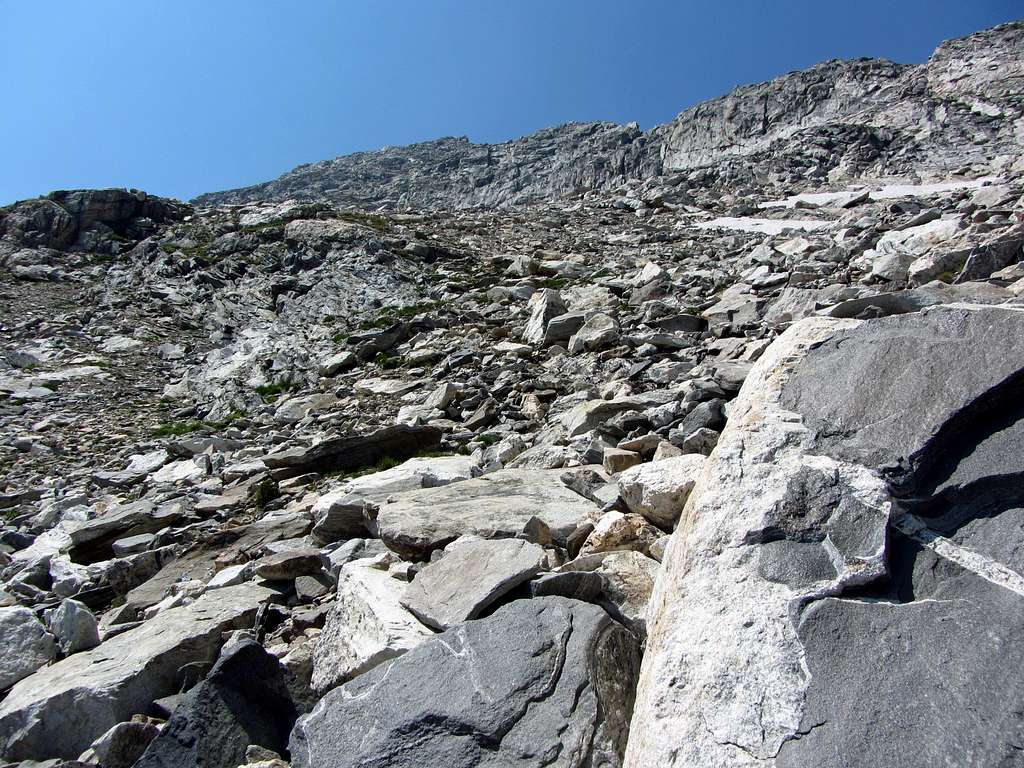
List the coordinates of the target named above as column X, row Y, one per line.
column 270, row 392
column 555, row 283
column 387, row 362
column 263, row 492
column 340, row 338
column 178, row 428
column 395, row 314
column 379, row 223
column 488, row 439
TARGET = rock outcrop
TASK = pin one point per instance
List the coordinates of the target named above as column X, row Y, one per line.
column 837, row 120
column 848, row 561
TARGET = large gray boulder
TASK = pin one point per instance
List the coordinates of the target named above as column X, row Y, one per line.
column 544, row 306
column 25, row 645
column 471, row 576
column 846, row 584
column 339, row 512
column 495, row 506
column 542, row 682
column 366, row 626
column 248, row 698
column 62, row 709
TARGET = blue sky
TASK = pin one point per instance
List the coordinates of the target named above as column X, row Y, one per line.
column 179, row 97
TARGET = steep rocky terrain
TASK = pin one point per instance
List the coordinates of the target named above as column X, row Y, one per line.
column 834, row 123
column 696, row 446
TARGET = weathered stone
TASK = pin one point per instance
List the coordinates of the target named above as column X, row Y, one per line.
column 659, row 490
column 598, row 332
column 25, row 645
column 367, row 626
column 615, row 531
column 545, row 305
column 471, row 576
column 74, row 626
column 289, row 564
column 562, row 328
column 123, row 744
column 247, row 699
column 336, row 363
column 617, row 460
column 495, row 506
column 60, row 710
column 545, row 681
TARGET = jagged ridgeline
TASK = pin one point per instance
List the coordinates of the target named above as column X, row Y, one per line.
column 838, row 120
column 695, row 446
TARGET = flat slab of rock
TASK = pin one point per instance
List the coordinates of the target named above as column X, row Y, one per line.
column 542, row 682
column 355, row 451
column 496, row 506
column 63, row 708
column 339, row 512
column 367, row 626
column 470, row 577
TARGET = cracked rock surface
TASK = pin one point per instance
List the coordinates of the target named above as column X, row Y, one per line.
column 846, row 579
column 546, row 681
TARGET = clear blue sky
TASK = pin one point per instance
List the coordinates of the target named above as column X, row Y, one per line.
column 179, row 97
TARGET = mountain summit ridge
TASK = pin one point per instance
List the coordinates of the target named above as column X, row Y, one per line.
column 936, row 116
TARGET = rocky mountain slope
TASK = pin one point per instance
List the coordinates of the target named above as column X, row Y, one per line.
column 836, row 122
column 690, row 447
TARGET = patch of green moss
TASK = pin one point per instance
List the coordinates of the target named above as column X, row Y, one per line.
column 379, row 223
column 270, row 392
column 555, row 283
column 396, row 314
column 387, row 362
column 178, row 428
column 265, row 226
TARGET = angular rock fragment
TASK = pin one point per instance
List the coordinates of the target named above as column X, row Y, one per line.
column 541, row 682
column 74, row 626
column 60, row 710
column 658, row 490
column 495, row 506
column 471, row 576
column 367, row 626
column 247, row 699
